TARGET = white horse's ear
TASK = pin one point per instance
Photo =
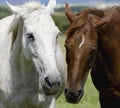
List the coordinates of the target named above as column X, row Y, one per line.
column 51, row 5
column 15, row 9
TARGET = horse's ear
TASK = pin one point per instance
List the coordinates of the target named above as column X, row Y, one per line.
column 95, row 19
column 15, row 9
column 51, row 5
column 104, row 25
column 70, row 15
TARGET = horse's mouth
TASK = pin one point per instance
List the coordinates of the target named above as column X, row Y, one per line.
column 71, row 98
column 49, row 90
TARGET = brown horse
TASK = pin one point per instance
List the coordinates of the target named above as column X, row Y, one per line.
column 93, row 43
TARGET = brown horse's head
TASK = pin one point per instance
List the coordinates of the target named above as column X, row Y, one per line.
column 81, row 47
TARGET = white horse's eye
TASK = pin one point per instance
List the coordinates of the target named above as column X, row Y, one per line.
column 30, row 36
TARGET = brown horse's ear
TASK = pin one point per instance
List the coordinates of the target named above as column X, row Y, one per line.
column 103, row 26
column 94, row 19
column 103, row 21
column 70, row 15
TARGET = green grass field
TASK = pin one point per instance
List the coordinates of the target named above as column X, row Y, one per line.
column 90, row 98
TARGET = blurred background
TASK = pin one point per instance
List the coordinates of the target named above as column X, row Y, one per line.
column 61, row 21
column 90, row 98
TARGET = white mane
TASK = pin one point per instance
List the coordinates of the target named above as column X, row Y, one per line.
column 31, row 6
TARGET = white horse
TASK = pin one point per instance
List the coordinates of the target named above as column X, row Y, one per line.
column 32, row 69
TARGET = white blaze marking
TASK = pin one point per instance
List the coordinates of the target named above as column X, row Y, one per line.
column 82, row 42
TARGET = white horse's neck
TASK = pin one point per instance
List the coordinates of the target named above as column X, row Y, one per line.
column 5, row 45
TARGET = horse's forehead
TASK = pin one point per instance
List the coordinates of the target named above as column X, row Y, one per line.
column 37, row 16
column 41, row 21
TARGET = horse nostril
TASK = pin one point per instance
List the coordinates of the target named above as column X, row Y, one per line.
column 70, row 93
column 80, row 93
column 66, row 91
column 73, row 93
column 47, row 80
column 50, row 85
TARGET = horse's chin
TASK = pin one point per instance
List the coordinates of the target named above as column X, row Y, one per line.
column 50, row 93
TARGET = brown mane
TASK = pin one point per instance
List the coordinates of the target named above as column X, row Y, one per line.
column 81, row 19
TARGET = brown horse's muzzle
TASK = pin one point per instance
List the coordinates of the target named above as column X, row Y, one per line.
column 73, row 96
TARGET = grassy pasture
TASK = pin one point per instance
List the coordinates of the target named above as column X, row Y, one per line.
column 90, row 98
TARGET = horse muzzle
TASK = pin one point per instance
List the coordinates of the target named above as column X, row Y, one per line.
column 73, row 96
column 50, row 86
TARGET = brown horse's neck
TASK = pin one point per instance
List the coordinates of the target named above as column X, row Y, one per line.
column 109, row 57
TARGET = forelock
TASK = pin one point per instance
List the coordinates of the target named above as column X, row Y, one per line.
column 31, row 6
column 81, row 19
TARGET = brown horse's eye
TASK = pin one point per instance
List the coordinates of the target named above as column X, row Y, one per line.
column 67, row 49
column 92, row 52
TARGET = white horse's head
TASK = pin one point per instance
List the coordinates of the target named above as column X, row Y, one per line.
column 39, row 42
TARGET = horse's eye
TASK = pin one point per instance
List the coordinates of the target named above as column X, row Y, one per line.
column 93, row 51
column 30, row 36
column 67, row 49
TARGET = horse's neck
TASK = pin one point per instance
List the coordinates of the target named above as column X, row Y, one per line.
column 5, row 66
column 5, row 45
column 108, row 47
column 109, row 54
